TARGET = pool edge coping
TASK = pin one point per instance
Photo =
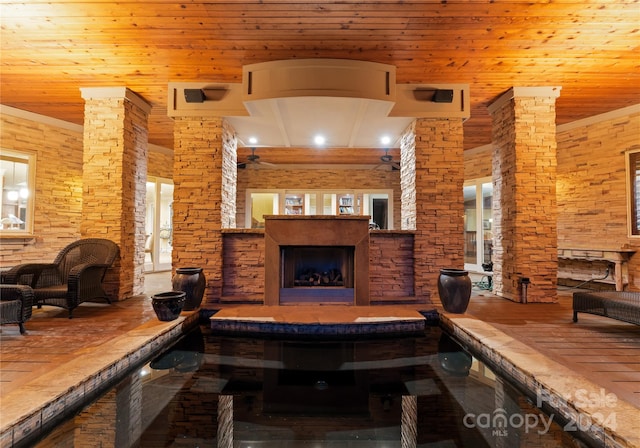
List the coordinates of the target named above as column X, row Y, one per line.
column 56, row 400
column 506, row 356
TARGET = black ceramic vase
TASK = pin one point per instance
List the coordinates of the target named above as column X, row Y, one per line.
column 192, row 282
column 168, row 305
column 454, row 288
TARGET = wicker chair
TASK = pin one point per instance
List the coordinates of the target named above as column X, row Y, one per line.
column 15, row 305
column 74, row 277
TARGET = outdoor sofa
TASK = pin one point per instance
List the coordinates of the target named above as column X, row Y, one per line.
column 620, row 305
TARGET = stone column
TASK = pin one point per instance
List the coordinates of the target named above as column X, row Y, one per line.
column 432, row 172
column 114, row 181
column 204, row 177
column 524, row 193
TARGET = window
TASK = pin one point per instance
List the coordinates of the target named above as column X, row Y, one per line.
column 18, row 180
column 633, row 188
column 378, row 204
column 478, row 223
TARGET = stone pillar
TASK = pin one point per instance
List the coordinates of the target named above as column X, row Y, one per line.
column 114, row 181
column 204, row 177
column 432, row 171
column 524, row 193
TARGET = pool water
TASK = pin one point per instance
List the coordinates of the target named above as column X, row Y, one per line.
column 219, row 391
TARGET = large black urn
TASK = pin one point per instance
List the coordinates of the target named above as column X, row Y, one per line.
column 454, row 288
column 192, row 282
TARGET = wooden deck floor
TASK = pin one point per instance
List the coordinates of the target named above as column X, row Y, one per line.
column 605, row 351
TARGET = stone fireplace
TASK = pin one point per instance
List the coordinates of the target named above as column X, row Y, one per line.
column 316, row 259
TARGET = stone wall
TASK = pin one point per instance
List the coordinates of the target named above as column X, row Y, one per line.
column 58, row 189
column 301, row 180
column 408, row 179
column 115, row 141
column 391, row 266
column 477, row 162
column 201, row 195
column 160, row 163
column 524, row 194
column 243, row 271
column 229, row 176
column 591, row 188
column 58, row 147
column 439, row 178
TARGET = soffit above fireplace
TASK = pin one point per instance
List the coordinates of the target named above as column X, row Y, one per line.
column 286, row 103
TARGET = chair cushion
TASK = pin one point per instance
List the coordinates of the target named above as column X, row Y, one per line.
column 50, row 292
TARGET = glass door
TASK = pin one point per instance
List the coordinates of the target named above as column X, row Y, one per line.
column 478, row 224
column 261, row 204
column 158, row 225
column 379, row 206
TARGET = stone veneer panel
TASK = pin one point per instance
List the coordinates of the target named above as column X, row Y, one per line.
column 439, row 217
column 390, row 266
column 524, row 194
column 591, row 189
column 243, row 271
column 408, row 178
column 202, row 196
column 160, row 164
column 229, row 176
column 58, row 184
column 478, row 162
column 114, row 182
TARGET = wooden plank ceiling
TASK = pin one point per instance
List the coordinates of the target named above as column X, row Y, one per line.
column 589, row 48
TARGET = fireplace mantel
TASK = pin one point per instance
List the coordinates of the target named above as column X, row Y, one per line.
column 320, row 230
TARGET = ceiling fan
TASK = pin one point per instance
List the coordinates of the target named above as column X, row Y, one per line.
column 387, row 161
column 253, row 161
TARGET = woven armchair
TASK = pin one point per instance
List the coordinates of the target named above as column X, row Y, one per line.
column 75, row 276
column 15, row 305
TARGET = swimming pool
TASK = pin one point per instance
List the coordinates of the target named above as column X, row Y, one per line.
column 214, row 390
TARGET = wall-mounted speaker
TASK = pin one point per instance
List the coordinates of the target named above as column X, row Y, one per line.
column 194, row 95
column 443, row 96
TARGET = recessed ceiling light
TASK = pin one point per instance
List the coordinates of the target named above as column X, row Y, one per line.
column 385, row 140
column 253, row 140
column 319, row 140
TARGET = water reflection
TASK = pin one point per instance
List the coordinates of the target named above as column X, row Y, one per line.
column 186, row 356
column 228, row 392
column 453, row 359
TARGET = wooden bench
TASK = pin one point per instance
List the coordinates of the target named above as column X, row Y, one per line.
column 620, row 305
column 618, row 257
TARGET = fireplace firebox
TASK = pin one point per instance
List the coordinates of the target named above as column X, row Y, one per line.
column 316, row 259
column 317, row 273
